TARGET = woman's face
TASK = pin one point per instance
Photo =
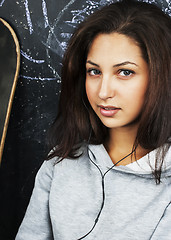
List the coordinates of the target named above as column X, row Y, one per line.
column 116, row 79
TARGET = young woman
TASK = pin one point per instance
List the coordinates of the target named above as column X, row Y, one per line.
column 109, row 174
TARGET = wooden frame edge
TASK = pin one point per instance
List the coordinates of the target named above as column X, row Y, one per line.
column 13, row 87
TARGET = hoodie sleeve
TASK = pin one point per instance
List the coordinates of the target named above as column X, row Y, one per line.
column 36, row 224
column 163, row 230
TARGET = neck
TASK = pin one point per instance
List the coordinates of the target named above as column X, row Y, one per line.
column 120, row 144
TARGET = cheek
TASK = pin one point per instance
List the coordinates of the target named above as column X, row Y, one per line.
column 135, row 97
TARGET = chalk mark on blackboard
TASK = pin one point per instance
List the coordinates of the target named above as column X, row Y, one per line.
column 59, row 50
column 104, row 2
column 24, row 54
column 28, row 17
column 51, row 33
column 44, row 8
column 2, row 2
column 39, row 78
column 168, row 8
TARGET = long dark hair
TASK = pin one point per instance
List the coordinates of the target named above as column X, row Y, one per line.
column 76, row 122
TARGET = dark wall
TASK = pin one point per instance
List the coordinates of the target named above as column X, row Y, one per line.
column 43, row 28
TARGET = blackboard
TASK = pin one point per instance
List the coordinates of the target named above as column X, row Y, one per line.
column 43, row 29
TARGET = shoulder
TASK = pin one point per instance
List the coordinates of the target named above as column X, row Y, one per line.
column 47, row 167
column 50, row 166
column 45, row 174
column 55, row 168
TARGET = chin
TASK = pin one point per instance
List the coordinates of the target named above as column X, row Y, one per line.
column 111, row 123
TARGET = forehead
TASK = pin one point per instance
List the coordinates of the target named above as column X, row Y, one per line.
column 114, row 47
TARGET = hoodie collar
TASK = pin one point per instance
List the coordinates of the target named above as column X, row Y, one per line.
column 143, row 166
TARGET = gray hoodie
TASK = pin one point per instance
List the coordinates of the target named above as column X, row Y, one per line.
column 68, row 196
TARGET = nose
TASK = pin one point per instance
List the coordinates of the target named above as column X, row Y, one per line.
column 106, row 90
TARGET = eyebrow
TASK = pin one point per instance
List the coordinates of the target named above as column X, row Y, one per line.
column 116, row 65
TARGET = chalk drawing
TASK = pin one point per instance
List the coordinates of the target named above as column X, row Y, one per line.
column 28, row 17
column 24, row 54
column 59, row 49
column 44, row 7
column 38, row 78
column 2, row 2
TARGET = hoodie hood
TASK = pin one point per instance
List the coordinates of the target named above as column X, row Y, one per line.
column 143, row 166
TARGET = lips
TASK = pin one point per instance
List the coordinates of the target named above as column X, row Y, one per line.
column 108, row 111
